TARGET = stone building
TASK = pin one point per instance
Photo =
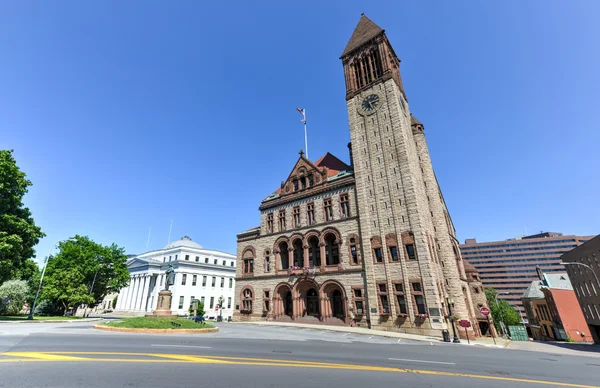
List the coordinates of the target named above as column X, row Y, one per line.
column 478, row 300
column 370, row 243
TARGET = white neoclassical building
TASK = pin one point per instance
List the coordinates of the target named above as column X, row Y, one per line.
column 200, row 273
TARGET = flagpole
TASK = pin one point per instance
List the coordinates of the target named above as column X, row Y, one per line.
column 305, row 137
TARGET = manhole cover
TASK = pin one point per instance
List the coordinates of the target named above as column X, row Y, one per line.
column 497, row 372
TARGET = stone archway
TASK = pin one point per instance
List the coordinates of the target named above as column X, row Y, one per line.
column 283, row 306
column 307, row 301
column 334, row 302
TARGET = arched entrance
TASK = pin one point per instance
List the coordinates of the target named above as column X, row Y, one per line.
column 312, row 303
column 288, row 307
column 337, row 307
column 334, row 309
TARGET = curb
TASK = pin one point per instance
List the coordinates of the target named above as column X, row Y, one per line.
column 156, row 331
column 25, row 321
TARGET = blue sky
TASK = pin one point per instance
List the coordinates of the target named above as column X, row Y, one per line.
column 127, row 115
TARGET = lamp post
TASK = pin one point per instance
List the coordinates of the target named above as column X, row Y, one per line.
column 450, row 304
column 586, row 266
column 500, row 311
column 37, row 294
column 221, row 299
column 94, row 282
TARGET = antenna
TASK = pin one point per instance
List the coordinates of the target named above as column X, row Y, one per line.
column 148, row 242
column 170, row 228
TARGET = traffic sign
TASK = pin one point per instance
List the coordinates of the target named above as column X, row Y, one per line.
column 464, row 323
column 217, row 308
column 484, row 311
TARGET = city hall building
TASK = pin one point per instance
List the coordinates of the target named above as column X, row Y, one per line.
column 369, row 243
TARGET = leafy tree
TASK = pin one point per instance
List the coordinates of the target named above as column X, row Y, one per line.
column 13, row 294
column 84, row 272
column 501, row 311
column 200, row 311
column 18, row 232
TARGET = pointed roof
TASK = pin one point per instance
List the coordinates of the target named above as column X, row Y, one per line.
column 365, row 31
column 333, row 164
column 414, row 121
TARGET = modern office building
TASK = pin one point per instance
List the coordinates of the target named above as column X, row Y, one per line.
column 510, row 265
column 584, row 274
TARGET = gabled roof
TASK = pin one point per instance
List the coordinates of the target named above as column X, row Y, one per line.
column 365, row 31
column 534, row 291
column 332, row 163
column 558, row 280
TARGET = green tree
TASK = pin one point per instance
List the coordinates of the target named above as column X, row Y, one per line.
column 18, row 231
column 200, row 311
column 84, row 271
column 13, row 294
column 501, row 311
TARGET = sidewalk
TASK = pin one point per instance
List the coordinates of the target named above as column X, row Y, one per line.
column 26, row 321
column 558, row 348
column 488, row 342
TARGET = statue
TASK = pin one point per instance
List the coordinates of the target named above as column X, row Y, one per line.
column 170, row 274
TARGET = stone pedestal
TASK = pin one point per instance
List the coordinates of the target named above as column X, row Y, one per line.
column 163, row 307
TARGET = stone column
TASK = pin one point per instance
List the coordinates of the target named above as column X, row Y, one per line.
column 322, row 248
column 140, row 300
column 144, row 297
column 132, row 284
column 306, row 256
column 136, row 287
column 121, row 298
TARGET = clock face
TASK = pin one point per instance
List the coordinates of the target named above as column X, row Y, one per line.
column 370, row 104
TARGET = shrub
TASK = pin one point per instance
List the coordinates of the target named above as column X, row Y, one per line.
column 45, row 309
column 13, row 294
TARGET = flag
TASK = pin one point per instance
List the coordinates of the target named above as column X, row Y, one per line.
column 303, row 115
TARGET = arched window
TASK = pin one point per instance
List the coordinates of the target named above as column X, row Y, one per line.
column 354, row 250
column 332, row 253
column 248, row 262
column 314, row 252
column 298, row 253
column 267, row 260
column 247, row 298
column 284, row 255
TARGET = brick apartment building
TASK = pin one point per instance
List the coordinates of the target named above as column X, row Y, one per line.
column 585, row 283
column 370, row 243
column 509, row 266
column 552, row 309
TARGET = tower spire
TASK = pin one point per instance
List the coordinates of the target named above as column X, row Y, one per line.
column 365, row 31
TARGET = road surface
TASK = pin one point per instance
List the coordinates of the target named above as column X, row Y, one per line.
column 73, row 354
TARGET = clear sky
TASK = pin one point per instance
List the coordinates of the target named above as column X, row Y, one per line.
column 127, row 115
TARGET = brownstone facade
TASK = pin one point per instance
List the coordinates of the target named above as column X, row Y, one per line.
column 371, row 243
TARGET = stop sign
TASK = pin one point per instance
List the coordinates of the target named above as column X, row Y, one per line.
column 217, row 308
column 484, row 311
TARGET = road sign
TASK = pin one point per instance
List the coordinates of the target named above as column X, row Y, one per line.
column 464, row 323
column 217, row 308
column 484, row 311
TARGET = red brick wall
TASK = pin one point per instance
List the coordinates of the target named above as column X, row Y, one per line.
column 571, row 315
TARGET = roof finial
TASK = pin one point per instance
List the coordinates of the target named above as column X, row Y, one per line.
column 301, row 153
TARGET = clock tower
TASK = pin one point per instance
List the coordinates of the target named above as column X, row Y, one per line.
column 413, row 272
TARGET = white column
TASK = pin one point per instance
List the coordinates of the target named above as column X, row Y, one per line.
column 138, row 291
column 145, row 293
column 121, row 297
column 131, row 293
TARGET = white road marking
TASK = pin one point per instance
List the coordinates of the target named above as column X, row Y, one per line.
column 346, row 334
column 184, row 346
column 370, row 337
column 425, row 361
column 399, row 340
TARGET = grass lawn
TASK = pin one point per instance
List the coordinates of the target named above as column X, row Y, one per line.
column 37, row 318
column 158, row 323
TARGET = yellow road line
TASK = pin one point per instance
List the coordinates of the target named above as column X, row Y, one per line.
column 199, row 359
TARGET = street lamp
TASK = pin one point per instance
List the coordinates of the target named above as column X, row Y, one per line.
column 586, row 266
column 450, row 304
column 37, row 294
column 101, row 265
column 501, row 315
column 221, row 299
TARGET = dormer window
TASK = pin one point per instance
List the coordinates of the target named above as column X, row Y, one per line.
column 310, row 180
column 295, row 185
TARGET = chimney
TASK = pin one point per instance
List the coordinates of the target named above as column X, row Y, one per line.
column 350, row 150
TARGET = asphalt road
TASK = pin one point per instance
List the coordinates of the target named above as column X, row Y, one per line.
column 74, row 355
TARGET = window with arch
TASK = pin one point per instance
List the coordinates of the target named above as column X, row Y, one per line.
column 248, row 262
column 408, row 241
column 332, row 252
column 310, row 213
column 284, row 255
column 327, row 209
column 247, row 298
column 345, row 205
column 377, row 249
column 314, row 252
